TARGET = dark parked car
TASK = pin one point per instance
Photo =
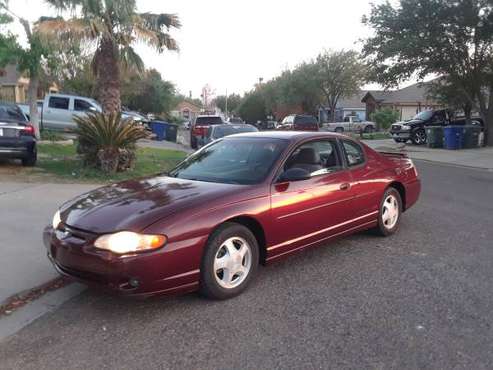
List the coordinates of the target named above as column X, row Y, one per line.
column 218, row 131
column 299, row 122
column 243, row 200
column 415, row 128
column 17, row 138
column 199, row 129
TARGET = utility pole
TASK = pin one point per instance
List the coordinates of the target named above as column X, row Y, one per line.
column 226, row 107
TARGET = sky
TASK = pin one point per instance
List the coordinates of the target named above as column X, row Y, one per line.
column 230, row 44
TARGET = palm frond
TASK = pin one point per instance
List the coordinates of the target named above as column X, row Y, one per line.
column 130, row 59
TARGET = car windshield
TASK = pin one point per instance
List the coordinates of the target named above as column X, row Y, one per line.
column 11, row 113
column 424, row 115
column 230, row 130
column 234, row 160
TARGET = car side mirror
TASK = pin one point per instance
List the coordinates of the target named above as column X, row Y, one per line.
column 294, row 174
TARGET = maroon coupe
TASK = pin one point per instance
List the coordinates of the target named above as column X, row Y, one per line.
column 239, row 201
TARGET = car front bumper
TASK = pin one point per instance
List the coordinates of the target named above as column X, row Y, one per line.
column 401, row 134
column 138, row 275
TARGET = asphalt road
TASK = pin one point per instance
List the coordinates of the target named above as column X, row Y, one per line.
column 422, row 298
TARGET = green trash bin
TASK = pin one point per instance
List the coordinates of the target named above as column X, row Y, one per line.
column 471, row 136
column 171, row 132
column 434, row 136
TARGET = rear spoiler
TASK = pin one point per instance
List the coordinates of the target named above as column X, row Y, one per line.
column 393, row 154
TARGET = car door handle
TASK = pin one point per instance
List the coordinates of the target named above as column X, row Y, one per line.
column 345, row 186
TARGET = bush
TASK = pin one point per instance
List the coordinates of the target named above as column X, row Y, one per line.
column 107, row 141
column 385, row 117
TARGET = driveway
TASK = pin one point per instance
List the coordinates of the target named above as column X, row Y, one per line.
column 26, row 208
column 422, row 298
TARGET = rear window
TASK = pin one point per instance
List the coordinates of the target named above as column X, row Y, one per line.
column 306, row 120
column 206, row 121
column 11, row 113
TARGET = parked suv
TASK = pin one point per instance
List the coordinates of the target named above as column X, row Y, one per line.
column 299, row 122
column 200, row 127
column 16, row 135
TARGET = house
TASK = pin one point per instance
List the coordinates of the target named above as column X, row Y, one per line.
column 407, row 101
column 186, row 110
column 13, row 85
column 351, row 106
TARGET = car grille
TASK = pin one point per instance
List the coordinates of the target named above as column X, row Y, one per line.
column 396, row 127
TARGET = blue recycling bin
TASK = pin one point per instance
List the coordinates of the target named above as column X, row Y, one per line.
column 453, row 137
column 159, row 128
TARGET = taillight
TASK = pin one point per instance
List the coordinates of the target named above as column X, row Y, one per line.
column 200, row 130
column 28, row 130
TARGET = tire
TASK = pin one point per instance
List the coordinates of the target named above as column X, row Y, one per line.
column 369, row 129
column 339, row 130
column 30, row 161
column 223, row 241
column 418, row 137
column 193, row 142
column 388, row 226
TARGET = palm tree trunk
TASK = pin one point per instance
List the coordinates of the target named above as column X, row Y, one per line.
column 107, row 66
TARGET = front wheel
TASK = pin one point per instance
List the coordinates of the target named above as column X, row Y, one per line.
column 390, row 212
column 339, row 130
column 419, row 137
column 229, row 263
column 369, row 129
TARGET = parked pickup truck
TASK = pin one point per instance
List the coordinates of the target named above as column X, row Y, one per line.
column 350, row 123
column 415, row 128
column 57, row 111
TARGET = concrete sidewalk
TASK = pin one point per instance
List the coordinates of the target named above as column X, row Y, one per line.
column 477, row 158
column 26, row 208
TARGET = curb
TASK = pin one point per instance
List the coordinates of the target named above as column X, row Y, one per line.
column 25, row 315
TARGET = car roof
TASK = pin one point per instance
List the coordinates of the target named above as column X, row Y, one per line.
column 289, row 135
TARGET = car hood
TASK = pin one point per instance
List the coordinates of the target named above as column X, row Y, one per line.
column 411, row 122
column 136, row 204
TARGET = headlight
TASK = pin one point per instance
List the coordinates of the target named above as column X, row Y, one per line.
column 129, row 242
column 56, row 220
column 405, row 128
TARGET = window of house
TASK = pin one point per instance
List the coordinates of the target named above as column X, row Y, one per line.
column 317, row 157
column 353, row 152
column 58, row 102
column 82, row 105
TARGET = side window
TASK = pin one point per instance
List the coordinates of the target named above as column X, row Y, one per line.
column 316, row 157
column 58, row 103
column 354, row 153
column 82, row 105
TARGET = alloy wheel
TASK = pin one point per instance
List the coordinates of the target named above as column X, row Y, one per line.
column 232, row 262
column 420, row 137
column 390, row 212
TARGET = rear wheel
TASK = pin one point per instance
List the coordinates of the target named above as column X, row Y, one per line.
column 339, row 129
column 193, row 142
column 229, row 263
column 30, row 160
column 419, row 137
column 369, row 129
column 390, row 212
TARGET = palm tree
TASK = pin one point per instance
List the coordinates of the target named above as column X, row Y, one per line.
column 113, row 26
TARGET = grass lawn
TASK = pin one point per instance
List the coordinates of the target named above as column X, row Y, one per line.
column 62, row 161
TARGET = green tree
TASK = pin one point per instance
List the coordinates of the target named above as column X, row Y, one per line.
column 449, row 95
column 252, row 108
column 337, row 74
column 28, row 60
column 233, row 103
column 426, row 37
column 385, row 117
column 148, row 93
column 114, row 26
